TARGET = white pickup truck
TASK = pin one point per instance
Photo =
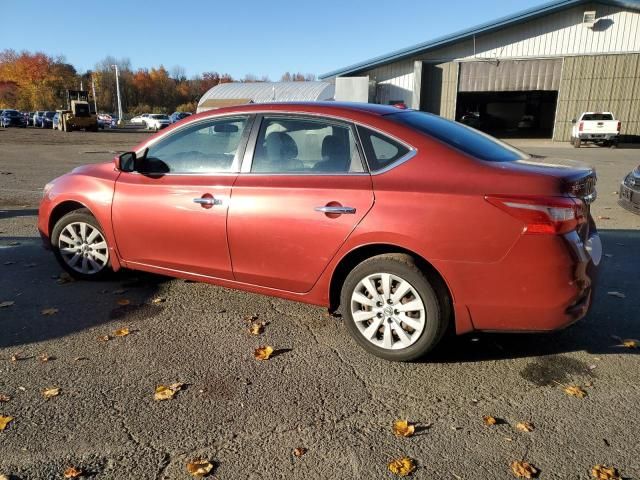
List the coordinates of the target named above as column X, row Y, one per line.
column 596, row 127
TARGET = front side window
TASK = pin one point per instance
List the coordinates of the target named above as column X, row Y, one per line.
column 209, row 147
column 307, row 146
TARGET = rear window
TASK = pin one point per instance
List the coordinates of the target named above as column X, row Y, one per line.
column 597, row 116
column 160, row 117
column 467, row 139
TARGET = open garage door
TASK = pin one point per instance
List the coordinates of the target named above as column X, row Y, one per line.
column 512, row 98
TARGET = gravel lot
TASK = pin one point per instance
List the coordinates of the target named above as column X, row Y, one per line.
column 320, row 391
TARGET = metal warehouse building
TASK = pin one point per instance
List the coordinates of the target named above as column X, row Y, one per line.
column 547, row 64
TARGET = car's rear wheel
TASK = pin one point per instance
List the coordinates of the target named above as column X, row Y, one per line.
column 391, row 308
column 80, row 245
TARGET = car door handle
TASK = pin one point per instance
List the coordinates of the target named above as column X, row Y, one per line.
column 208, row 201
column 336, row 210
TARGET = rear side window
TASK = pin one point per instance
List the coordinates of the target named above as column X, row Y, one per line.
column 597, row 116
column 467, row 139
column 381, row 151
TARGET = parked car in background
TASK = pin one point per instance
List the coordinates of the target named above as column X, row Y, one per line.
column 55, row 121
column 177, row 116
column 114, row 121
column 30, row 119
column 157, row 121
column 37, row 118
column 596, row 127
column 527, row 122
column 629, row 193
column 47, row 119
column 104, row 120
column 12, row 118
column 515, row 249
column 139, row 119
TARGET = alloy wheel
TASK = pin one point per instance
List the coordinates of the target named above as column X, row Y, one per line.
column 388, row 311
column 83, row 248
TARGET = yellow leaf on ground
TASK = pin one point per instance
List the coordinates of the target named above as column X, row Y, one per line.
column 199, row 467
column 16, row 357
column 6, row 304
column 72, row 472
column 523, row 469
column 167, row 392
column 4, row 398
column 602, row 472
column 489, row 420
column 104, row 338
column 158, row 300
column 575, row 391
column 49, row 311
column 122, row 332
column 4, row 421
column 630, row 343
column 256, row 328
column 263, row 353
column 298, row 452
column 525, row 426
column 123, row 302
column 402, row 428
column 44, row 358
column 402, row 467
column 51, row 392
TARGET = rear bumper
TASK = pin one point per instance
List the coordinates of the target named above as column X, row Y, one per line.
column 598, row 136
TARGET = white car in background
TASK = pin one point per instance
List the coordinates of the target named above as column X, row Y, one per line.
column 157, row 121
column 140, row 119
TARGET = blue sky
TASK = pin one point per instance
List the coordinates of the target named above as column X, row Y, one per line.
column 237, row 37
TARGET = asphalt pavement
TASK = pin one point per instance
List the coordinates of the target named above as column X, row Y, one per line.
column 319, row 391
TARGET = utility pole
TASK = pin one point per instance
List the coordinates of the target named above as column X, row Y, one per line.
column 93, row 89
column 120, row 120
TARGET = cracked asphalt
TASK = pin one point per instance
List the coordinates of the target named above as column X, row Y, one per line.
column 319, row 391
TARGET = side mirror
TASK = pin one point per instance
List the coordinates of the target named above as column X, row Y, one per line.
column 126, row 162
column 573, row 121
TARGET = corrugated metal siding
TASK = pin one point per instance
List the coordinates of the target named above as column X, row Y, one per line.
column 395, row 82
column 440, row 89
column 599, row 83
column 510, row 75
column 558, row 34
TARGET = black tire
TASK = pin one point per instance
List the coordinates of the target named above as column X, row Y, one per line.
column 613, row 144
column 577, row 143
column 402, row 266
column 81, row 215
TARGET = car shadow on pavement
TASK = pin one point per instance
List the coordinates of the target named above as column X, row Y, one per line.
column 47, row 304
column 611, row 320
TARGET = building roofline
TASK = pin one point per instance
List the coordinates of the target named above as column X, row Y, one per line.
column 510, row 20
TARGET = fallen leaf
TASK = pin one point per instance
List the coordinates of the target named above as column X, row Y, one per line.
column 44, row 358
column 164, row 392
column 4, row 421
column 104, row 338
column 199, row 467
column 6, row 304
column 617, row 294
column 51, row 392
column 523, row 469
column 256, row 328
column 49, row 311
column 4, row 398
column 603, row 217
column 72, row 472
column 159, row 300
column 78, row 359
column 630, row 343
column 525, row 426
column 489, row 420
column 575, row 391
column 263, row 353
column 122, row 332
column 4, row 477
column 9, row 263
column 300, row 451
column 30, row 265
column 602, row 472
column 402, row 467
column 402, row 428
column 123, row 302
column 16, row 357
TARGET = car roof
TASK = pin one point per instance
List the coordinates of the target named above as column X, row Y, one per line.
column 312, row 107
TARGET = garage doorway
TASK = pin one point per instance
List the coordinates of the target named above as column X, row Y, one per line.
column 509, row 98
column 528, row 114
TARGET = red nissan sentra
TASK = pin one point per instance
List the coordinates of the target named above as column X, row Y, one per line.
column 407, row 222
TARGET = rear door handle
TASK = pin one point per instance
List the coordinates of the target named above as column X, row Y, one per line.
column 208, row 201
column 336, row 210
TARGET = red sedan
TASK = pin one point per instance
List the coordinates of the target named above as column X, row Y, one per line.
column 408, row 223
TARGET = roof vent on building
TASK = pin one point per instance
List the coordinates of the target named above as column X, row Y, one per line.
column 589, row 18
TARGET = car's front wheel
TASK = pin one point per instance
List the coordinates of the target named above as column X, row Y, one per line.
column 391, row 309
column 80, row 245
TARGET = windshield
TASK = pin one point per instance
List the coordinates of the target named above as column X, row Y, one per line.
column 160, row 117
column 466, row 139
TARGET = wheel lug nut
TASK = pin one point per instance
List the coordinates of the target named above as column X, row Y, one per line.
column 390, row 302
column 379, row 315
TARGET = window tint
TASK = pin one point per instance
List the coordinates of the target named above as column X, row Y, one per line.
column 296, row 145
column 203, row 148
column 469, row 140
column 381, row 151
column 597, row 116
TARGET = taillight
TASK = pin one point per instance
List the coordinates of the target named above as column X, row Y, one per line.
column 551, row 215
column 581, row 126
column 619, row 125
